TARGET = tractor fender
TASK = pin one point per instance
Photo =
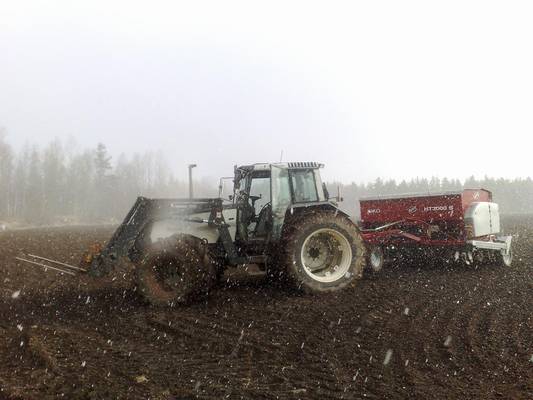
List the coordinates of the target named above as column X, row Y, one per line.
column 299, row 210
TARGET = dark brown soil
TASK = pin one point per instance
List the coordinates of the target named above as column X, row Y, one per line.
column 429, row 332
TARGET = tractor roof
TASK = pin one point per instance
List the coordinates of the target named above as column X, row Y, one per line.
column 288, row 165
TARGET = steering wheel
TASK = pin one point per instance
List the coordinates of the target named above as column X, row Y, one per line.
column 254, row 199
column 269, row 204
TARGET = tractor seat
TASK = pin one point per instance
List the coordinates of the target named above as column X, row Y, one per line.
column 263, row 224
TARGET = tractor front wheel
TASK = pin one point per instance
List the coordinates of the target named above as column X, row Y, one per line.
column 174, row 270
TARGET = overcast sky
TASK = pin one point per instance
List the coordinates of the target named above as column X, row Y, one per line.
column 392, row 89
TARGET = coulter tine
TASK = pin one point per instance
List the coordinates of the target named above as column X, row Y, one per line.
column 57, row 262
column 45, row 266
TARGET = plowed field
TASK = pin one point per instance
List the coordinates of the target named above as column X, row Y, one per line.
column 411, row 332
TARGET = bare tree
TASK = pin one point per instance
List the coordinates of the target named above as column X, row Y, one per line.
column 6, row 167
column 49, row 186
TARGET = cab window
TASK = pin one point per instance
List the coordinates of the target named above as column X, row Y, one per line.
column 303, row 186
column 260, row 187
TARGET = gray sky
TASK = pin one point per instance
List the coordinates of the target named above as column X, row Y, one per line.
column 391, row 89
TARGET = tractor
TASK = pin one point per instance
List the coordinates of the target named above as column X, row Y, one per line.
column 279, row 217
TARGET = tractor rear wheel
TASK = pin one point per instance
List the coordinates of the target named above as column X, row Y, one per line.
column 174, row 270
column 323, row 252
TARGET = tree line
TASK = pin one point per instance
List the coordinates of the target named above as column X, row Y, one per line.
column 56, row 185
column 53, row 185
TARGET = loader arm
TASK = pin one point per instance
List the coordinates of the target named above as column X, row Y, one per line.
column 152, row 219
column 122, row 240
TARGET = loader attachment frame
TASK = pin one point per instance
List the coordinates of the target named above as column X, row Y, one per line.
column 121, row 241
column 129, row 238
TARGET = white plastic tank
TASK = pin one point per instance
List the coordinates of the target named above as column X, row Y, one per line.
column 483, row 218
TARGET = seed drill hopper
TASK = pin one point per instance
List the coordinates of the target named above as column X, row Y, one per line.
column 464, row 224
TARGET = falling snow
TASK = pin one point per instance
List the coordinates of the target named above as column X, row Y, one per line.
column 388, row 356
column 255, row 335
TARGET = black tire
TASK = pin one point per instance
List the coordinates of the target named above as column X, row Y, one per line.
column 325, row 230
column 375, row 259
column 175, row 270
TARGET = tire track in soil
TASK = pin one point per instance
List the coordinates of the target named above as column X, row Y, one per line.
column 254, row 341
column 467, row 324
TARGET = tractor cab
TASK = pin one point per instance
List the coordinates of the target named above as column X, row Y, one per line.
column 264, row 193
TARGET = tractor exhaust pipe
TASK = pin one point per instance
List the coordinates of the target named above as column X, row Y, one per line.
column 191, row 194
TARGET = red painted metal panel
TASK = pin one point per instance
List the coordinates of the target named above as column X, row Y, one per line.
column 474, row 195
column 432, row 219
column 429, row 208
column 446, row 207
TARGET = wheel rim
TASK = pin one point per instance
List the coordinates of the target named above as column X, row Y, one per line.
column 326, row 255
column 376, row 259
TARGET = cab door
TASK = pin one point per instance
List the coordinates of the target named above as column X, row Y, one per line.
column 281, row 198
column 253, row 204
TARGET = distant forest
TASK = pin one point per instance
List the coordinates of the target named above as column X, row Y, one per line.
column 55, row 185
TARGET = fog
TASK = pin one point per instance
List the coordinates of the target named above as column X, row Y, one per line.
column 55, row 184
column 116, row 283
column 380, row 89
